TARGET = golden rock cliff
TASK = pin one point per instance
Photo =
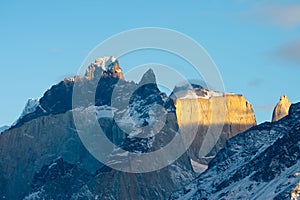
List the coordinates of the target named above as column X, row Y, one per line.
column 215, row 119
column 281, row 109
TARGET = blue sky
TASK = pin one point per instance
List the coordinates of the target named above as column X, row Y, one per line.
column 255, row 44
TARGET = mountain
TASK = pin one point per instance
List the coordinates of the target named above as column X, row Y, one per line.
column 48, row 135
column 260, row 163
column 281, row 109
column 44, row 149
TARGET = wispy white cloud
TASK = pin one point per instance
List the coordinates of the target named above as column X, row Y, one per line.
column 283, row 14
column 289, row 52
column 287, row 16
column 255, row 82
column 55, row 50
column 279, row 15
column 264, row 107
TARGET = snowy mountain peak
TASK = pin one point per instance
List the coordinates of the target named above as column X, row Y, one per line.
column 104, row 67
column 106, row 63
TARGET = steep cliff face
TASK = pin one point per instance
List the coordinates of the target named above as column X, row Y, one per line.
column 229, row 114
column 281, row 109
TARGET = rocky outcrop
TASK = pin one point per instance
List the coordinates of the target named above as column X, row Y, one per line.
column 281, row 109
column 228, row 114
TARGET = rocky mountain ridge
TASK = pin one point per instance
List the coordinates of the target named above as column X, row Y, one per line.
column 49, row 132
column 48, row 135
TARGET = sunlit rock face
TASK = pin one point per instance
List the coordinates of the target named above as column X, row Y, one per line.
column 281, row 109
column 215, row 118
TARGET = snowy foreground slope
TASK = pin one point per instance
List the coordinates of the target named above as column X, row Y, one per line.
column 261, row 163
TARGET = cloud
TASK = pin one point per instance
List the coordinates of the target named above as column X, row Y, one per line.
column 287, row 16
column 289, row 52
column 55, row 50
column 255, row 82
column 268, row 107
column 283, row 14
column 279, row 15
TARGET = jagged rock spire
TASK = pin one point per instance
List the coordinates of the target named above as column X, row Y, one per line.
column 148, row 78
column 281, row 109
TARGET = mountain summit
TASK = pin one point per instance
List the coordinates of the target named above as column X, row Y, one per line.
column 106, row 66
